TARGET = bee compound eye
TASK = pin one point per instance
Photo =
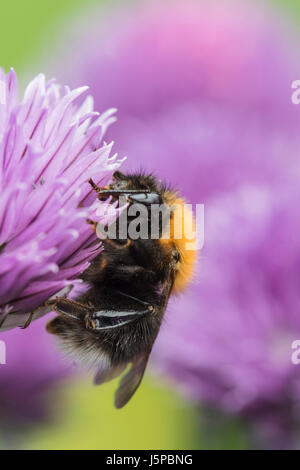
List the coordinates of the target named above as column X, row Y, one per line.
column 176, row 256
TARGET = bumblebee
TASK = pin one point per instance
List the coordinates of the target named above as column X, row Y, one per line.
column 116, row 321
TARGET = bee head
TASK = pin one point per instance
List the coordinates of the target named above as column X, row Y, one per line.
column 177, row 239
column 135, row 181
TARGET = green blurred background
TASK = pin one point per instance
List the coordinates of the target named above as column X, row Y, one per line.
column 85, row 418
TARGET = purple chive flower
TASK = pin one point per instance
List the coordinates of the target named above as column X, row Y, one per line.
column 200, row 85
column 50, row 145
column 204, row 98
column 232, row 348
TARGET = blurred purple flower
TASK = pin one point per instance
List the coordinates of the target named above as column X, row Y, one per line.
column 32, row 368
column 199, row 85
column 203, row 91
column 233, row 346
column 49, row 147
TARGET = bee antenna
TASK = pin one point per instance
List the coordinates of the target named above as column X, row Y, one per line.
column 94, row 186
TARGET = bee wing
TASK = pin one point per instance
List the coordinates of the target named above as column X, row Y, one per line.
column 131, row 381
column 107, row 319
column 97, row 319
column 109, row 374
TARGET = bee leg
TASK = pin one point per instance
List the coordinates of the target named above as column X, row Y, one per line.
column 94, row 186
column 70, row 308
column 116, row 243
column 44, row 307
column 2, row 321
column 29, row 319
column 92, row 223
column 103, row 193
